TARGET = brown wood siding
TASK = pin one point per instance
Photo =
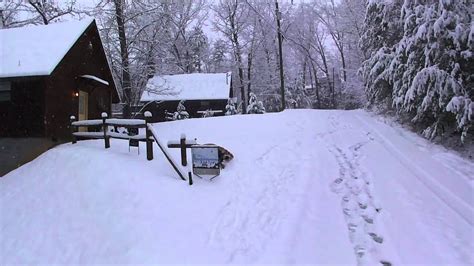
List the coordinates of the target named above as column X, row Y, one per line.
column 86, row 57
column 22, row 116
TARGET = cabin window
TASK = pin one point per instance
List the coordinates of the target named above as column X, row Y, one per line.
column 5, row 91
column 90, row 46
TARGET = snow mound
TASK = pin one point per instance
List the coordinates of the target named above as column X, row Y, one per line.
column 305, row 187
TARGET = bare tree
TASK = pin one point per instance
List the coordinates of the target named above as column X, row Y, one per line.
column 126, row 84
column 18, row 13
column 48, row 10
column 231, row 21
column 280, row 55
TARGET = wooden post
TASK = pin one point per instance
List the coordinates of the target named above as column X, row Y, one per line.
column 149, row 143
column 73, row 118
column 105, row 127
column 182, row 142
column 190, row 178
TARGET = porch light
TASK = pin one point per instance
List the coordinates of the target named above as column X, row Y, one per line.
column 76, row 94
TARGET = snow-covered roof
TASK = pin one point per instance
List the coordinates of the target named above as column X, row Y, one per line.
column 37, row 50
column 197, row 86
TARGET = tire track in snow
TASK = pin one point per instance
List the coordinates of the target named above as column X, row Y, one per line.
column 453, row 202
column 358, row 205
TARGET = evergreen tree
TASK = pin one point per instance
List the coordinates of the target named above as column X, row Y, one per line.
column 427, row 73
column 230, row 108
column 218, row 56
column 199, row 47
column 438, row 65
column 382, row 30
column 255, row 106
column 181, row 112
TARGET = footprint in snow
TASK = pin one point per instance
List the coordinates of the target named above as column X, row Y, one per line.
column 336, row 185
column 376, row 237
column 360, row 251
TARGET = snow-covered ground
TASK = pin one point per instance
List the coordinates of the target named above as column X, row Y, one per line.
column 306, row 186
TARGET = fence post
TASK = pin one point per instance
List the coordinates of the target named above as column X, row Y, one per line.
column 190, row 178
column 105, row 127
column 182, row 142
column 149, row 143
column 73, row 118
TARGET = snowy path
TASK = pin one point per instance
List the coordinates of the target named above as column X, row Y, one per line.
column 422, row 203
column 305, row 187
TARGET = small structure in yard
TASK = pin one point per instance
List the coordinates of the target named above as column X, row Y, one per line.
column 201, row 92
column 48, row 73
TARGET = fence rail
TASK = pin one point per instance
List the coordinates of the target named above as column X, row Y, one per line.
column 149, row 137
column 105, row 134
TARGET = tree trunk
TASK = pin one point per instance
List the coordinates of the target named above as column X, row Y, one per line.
column 2, row 20
column 333, row 90
column 126, row 84
column 249, row 73
column 238, row 57
column 304, row 72
column 316, row 85
column 280, row 55
column 343, row 60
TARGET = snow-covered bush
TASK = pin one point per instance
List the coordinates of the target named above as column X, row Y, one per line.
column 255, row 106
column 230, row 108
column 180, row 112
column 427, row 73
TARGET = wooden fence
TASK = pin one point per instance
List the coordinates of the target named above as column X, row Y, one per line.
column 104, row 124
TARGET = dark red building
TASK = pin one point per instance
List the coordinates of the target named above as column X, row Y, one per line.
column 50, row 72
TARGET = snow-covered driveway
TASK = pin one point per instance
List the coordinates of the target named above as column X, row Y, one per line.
column 306, row 186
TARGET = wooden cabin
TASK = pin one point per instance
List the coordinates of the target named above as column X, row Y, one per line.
column 200, row 91
column 50, row 72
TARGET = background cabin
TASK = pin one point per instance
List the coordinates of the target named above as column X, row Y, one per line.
column 50, row 72
column 201, row 92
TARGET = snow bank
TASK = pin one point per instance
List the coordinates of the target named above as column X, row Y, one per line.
column 305, row 187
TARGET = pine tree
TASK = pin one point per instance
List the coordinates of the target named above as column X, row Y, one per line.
column 181, row 112
column 218, row 56
column 382, row 30
column 439, row 66
column 230, row 108
column 426, row 74
column 255, row 106
column 199, row 47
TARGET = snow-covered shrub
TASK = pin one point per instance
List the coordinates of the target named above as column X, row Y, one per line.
column 180, row 112
column 255, row 106
column 230, row 108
